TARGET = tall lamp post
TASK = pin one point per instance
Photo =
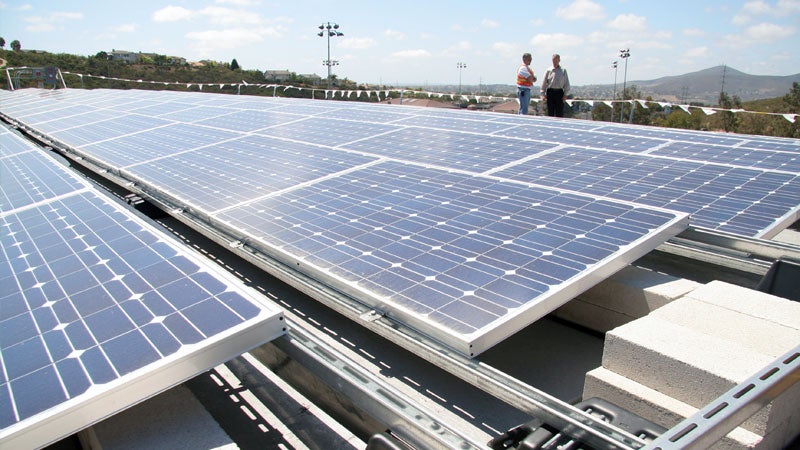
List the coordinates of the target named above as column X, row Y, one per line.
column 329, row 30
column 624, row 54
column 614, row 66
column 460, row 66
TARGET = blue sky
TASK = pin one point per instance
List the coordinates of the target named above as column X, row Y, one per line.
column 422, row 42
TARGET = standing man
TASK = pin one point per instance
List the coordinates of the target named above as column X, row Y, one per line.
column 525, row 80
column 555, row 88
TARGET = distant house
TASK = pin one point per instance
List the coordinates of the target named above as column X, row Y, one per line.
column 277, row 75
column 124, row 56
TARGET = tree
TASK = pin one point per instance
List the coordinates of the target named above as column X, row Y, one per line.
column 234, row 65
column 2, row 43
column 792, row 100
column 15, row 45
column 726, row 120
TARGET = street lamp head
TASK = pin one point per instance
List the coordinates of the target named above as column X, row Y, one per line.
column 331, row 33
column 319, row 34
column 321, row 27
column 339, row 33
column 336, row 26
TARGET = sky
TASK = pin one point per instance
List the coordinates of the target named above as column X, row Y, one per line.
column 429, row 42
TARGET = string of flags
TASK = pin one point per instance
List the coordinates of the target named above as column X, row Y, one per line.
column 342, row 94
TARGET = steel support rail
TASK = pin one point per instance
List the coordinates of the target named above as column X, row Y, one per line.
column 727, row 412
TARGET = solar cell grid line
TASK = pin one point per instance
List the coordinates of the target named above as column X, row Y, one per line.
column 584, row 138
column 197, row 113
column 467, row 259
column 739, row 156
column 701, row 189
column 249, row 120
column 463, row 151
column 671, row 134
column 454, row 124
column 240, row 170
column 148, row 144
column 31, row 178
column 324, row 131
column 101, row 311
column 374, row 115
column 11, row 143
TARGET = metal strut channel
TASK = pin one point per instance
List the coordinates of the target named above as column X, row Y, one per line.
column 719, row 417
column 729, row 250
column 393, row 408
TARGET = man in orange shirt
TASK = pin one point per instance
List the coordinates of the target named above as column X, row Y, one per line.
column 525, row 80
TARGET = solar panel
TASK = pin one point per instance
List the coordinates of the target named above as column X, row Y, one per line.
column 467, row 259
column 433, row 215
column 99, row 310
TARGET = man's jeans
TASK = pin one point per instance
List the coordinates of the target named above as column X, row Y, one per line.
column 524, row 95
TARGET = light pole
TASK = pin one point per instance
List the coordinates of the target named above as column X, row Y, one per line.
column 329, row 30
column 624, row 54
column 460, row 66
column 614, row 66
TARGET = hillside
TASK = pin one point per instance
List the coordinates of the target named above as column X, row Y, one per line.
column 703, row 86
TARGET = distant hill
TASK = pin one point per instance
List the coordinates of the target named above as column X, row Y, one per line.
column 703, row 86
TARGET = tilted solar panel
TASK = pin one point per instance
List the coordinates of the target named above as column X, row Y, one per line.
column 99, row 311
column 433, row 216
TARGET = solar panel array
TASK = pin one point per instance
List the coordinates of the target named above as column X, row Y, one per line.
column 465, row 225
column 98, row 310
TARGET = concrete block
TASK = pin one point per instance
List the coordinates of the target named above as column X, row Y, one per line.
column 768, row 337
column 591, row 316
column 659, row 408
column 635, row 292
column 687, row 365
column 173, row 419
column 629, row 294
column 754, row 303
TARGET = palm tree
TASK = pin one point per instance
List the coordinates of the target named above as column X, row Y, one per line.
column 15, row 45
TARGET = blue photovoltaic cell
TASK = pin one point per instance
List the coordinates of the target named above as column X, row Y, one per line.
column 457, row 251
column 788, row 161
column 724, row 197
column 153, row 143
column 92, row 298
column 246, row 169
column 324, row 131
column 379, row 197
column 30, row 177
column 591, row 139
column 472, row 152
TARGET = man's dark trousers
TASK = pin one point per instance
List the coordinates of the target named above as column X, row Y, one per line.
column 555, row 102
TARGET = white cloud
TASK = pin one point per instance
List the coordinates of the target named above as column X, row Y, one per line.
column 239, row 2
column 556, row 40
column 394, row 34
column 787, row 7
column 126, row 28
column 766, row 32
column 357, row 43
column 488, row 23
column 581, row 9
column 629, row 22
column 411, row 54
column 172, row 14
column 698, row 52
column 756, row 8
column 50, row 22
column 506, row 48
column 226, row 16
column 205, row 42
column 695, row 32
